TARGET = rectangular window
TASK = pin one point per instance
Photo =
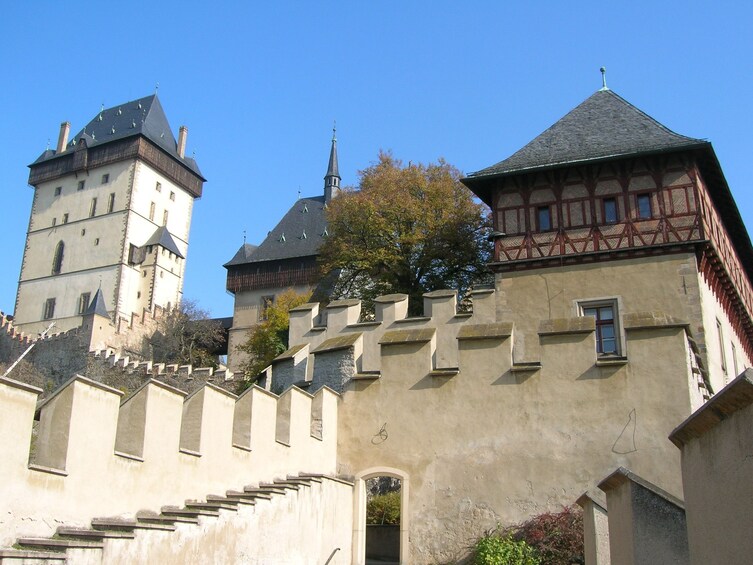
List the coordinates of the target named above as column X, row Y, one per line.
column 151, row 212
column 172, row 195
column 722, row 358
column 158, row 187
column 734, row 359
column 83, row 303
column 65, row 218
column 610, row 210
column 164, row 218
column 81, row 184
column 93, row 208
column 643, row 202
column 544, row 215
column 54, row 222
column 49, row 308
column 607, row 330
column 111, row 202
column 266, row 302
column 105, row 178
column 58, row 190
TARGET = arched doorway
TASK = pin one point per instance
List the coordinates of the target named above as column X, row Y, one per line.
column 370, row 483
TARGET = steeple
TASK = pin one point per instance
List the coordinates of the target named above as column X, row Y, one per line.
column 332, row 178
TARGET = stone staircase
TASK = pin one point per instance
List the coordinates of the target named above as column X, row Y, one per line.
column 120, row 539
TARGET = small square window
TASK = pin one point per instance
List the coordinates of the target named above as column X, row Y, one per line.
column 607, row 328
column 610, row 210
column 544, row 216
column 643, row 202
column 58, row 190
column 158, row 187
column 49, row 309
column 83, row 302
column 105, row 178
column 172, row 195
column 81, row 184
column 65, row 218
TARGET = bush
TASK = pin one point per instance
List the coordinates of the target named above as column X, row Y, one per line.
column 495, row 550
column 557, row 537
column 383, row 508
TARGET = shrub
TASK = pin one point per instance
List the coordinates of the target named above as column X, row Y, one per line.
column 557, row 537
column 383, row 508
column 495, row 550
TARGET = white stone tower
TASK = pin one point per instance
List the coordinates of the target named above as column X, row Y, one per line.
column 111, row 211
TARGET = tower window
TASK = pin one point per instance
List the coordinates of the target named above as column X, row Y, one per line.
column 111, row 202
column 610, row 210
column 93, row 208
column 643, row 202
column 722, row 359
column 65, row 218
column 544, row 217
column 83, row 302
column 58, row 190
column 81, row 184
column 54, row 222
column 151, row 211
column 96, row 241
column 57, row 259
column 49, row 309
column 105, row 178
column 164, row 218
column 172, row 195
column 605, row 313
column 158, row 187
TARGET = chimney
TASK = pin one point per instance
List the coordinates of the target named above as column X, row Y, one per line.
column 65, row 129
column 182, row 134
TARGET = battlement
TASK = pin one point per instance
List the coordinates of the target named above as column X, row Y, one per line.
column 155, row 447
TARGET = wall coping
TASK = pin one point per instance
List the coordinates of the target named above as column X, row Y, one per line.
column 559, row 326
column 494, row 330
column 622, row 475
column 396, row 337
column 19, row 385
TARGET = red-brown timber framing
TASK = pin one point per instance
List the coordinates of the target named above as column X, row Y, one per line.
column 686, row 216
column 83, row 158
column 275, row 274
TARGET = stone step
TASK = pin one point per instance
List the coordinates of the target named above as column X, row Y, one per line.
column 90, row 534
column 235, row 500
column 210, row 505
column 193, row 512
column 308, row 478
column 295, row 481
column 24, row 557
column 248, row 495
column 120, row 524
column 154, row 518
column 57, row 544
column 279, row 485
column 264, row 490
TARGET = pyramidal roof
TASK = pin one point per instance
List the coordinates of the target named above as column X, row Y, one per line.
column 243, row 255
column 143, row 116
column 162, row 237
column 603, row 126
column 97, row 306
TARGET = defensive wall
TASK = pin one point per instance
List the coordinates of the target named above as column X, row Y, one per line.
column 477, row 437
column 98, row 455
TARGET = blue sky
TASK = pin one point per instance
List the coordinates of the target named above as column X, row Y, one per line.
column 260, row 84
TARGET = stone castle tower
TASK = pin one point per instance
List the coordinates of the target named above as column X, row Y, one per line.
column 110, row 219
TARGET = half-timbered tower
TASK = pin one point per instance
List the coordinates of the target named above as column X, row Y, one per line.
column 111, row 211
column 609, row 213
column 286, row 259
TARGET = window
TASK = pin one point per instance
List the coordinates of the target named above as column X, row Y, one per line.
column 96, row 241
column 164, row 218
column 81, row 184
column 544, row 216
column 57, row 259
column 722, row 358
column 105, row 178
column 172, row 195
column 266, row 302
column 58, row 190
column 111, row 202
column 643, row 202
column 734, row 359
column 158, row 187
column 83, row 303
column 605, row 313
column 151, row 211
column 65, row 218
column 54, row 222
column 610, row 210
column 83, row 232
column 49, row 309
column 93, row 208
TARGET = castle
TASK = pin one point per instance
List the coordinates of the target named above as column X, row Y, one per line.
column 621, row 308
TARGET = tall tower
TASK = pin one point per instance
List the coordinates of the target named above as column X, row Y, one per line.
column 111, row 211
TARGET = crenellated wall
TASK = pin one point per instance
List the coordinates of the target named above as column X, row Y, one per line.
column 97, row 454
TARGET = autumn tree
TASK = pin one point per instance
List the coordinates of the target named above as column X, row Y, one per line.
column 408, row 229
column 186, row 335
column 269, row 338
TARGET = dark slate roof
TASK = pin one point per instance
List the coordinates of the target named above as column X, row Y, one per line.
column 307, row 217
column 162, row 237
column 603, row 126
column 97, row 306
column 144, row 116
column 242, row 256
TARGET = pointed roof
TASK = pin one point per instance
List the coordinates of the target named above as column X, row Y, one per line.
column 97, row 306
column 162, row 237
column 143, row 116
column 242, row 255
column 604, row 126
column 332, row 168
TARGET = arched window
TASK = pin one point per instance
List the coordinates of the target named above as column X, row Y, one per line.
column 57, row 260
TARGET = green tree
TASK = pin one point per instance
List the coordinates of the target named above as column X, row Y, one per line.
column 187, row 335
column 408, row 229
column 269, row 338
column 383, row 508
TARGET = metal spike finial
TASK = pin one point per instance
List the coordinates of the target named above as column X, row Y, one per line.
column 299, row 193
column 156, row 87
column 48, row 144
column 334, row 130
column 604, row 78
column 244, row 237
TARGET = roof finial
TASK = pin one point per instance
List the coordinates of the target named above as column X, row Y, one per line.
column 334, row 130
column 48, row 144
column 604, row 78
column 299, row 193
column 244, row 237
column 156, row 87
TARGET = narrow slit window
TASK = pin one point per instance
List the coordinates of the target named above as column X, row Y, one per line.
column 151, row 212
column 83, row 302
column 111, row 202
column 57, row 258
column 93, row 208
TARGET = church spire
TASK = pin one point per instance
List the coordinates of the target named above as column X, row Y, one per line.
column 332, row 178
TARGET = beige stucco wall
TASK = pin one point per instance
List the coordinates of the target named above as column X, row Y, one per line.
column 97, row 457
